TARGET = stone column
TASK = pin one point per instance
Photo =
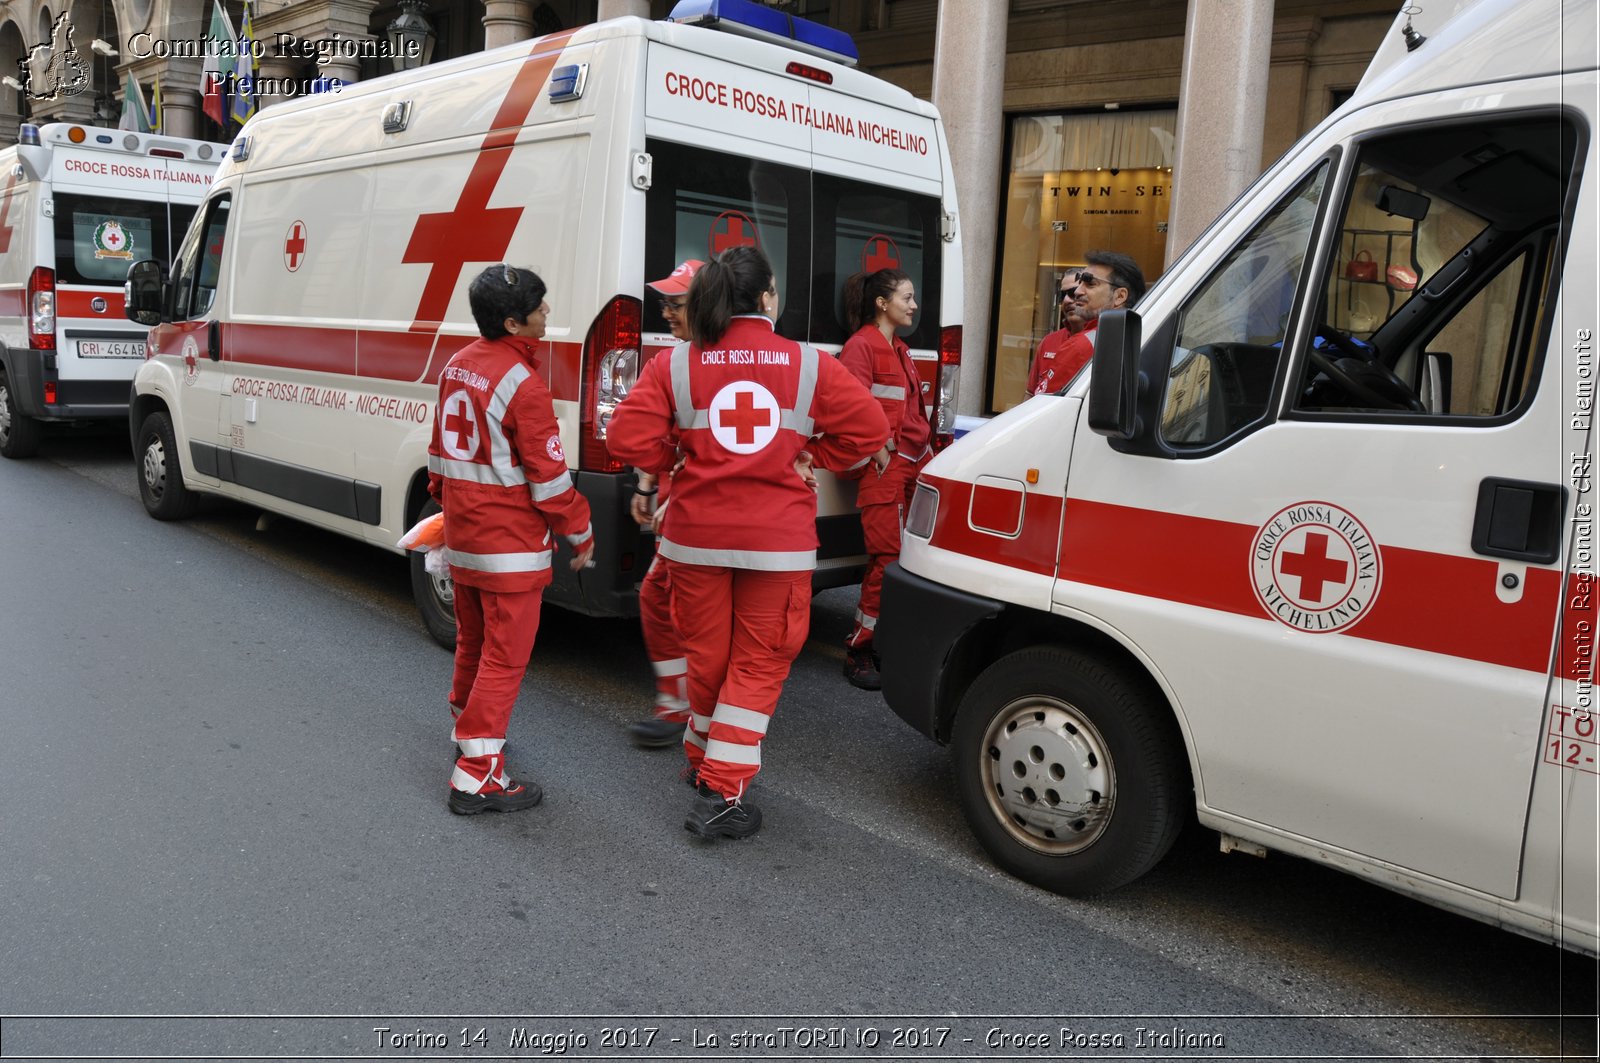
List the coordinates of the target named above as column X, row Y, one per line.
column 969, row 61
column 277, row 70
column 506, row 22
column 1222, row 104
column 620, row 8
column 180, row 101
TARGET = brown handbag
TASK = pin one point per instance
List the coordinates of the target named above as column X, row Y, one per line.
column 1362, row 268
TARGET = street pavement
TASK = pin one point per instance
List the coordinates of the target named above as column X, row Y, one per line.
column 223, row 783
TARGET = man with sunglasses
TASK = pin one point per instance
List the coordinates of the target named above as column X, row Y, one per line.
column 1110, row 281
column 1045, row 360
column 662, row 645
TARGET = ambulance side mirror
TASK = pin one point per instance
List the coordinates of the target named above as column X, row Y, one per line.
column 1114, row 377
column 145, row 292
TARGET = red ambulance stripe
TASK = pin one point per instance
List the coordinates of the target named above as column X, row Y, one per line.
column 561, row 365
column 393, row 355
column 1441, row 603
column 13, row 302
column 80, row 304
column 1034, row 550
column 315, row 350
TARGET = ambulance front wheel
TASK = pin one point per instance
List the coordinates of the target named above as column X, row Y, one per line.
column 19, row 433
column 1070, row 772
column 161, row 486
column 434, row 595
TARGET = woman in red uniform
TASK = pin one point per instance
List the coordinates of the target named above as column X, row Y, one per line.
column 878, row 306
column 740, row 537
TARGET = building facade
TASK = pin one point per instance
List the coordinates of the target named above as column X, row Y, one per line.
column 1066, row 117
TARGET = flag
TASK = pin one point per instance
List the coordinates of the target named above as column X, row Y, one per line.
column 135, row 115
column 220, row 43
column 155, row 107
column 244, row 89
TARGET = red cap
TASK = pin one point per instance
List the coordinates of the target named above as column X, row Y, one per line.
column 677, row 282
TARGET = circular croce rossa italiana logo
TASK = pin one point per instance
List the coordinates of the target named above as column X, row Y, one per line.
column 1314, row 567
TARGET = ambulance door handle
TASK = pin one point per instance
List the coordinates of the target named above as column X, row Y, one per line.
column 1519, row 520
column 214, row 341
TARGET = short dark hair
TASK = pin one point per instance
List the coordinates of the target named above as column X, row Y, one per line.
column 503, row 291
column 1124, row 271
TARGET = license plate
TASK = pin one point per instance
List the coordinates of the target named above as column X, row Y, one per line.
column 111, row 348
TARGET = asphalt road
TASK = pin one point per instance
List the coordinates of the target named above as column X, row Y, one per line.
column 223, row 781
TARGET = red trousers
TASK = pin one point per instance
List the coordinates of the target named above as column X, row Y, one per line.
column 883, row 501
column 662, row 644
column 494, row 639
column 742, row 630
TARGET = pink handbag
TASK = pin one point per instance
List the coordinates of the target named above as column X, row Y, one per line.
column 1402, row 278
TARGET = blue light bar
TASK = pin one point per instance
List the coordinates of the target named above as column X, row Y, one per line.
column 763, row 23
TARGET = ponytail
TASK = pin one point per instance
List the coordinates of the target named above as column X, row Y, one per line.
column 731, row 283
column 862, row 292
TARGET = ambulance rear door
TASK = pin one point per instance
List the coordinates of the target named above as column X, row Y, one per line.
column 109, row 209
column 1341, row 541
column 826, row 185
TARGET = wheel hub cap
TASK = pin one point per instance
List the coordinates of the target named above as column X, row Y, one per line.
column 1048, row 776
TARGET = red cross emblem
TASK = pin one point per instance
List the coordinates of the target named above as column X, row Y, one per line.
column 294, row 245
column 459, row 423
column 732, row 229
column 879, row 252
column 473, row 231
column 744, row 417
column 1315, row 567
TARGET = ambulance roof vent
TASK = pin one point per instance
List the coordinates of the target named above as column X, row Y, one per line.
column 749, row 19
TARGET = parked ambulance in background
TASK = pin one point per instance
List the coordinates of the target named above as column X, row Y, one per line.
column 1308, row 550
column 322, row 288
column 77, row 206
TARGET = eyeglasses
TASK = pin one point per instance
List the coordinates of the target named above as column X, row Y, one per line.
column 673, row 306
column 510, row 276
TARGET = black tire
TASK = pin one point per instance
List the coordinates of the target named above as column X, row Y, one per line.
column 1071, row 774
column 19, row 433
column 160, row 471
column 434, row 596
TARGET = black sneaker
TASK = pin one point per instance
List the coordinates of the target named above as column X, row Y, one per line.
column 713, row 816
column 861, row 668
column 513, row 798
column 656, row 733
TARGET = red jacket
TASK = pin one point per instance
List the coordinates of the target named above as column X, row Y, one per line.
column 497, row 467
column 887, row 369
column 1061, row 354
column 742, row 411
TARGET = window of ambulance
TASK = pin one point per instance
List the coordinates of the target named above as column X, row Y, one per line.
column 862, row 227
column 1435, row 301
column 703, row 202
column 194, row 274
column 99, row 237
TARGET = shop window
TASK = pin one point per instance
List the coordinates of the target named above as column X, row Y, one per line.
column 1077, row 183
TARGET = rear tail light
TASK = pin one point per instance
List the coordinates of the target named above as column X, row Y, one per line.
column 42, row 309
column 944, row 424
column 611, row 367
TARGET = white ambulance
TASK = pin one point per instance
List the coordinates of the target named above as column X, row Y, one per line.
column 300, row 336
column 1311, row 548
column 78, row 205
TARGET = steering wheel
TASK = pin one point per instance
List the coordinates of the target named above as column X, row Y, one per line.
column 1372, row 382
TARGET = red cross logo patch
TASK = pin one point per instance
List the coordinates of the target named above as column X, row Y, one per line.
column 458, row 426
column 744, row 417
column 191, row 360
column 879, row 252
column 732, row 229
column 1315, row 568
column 294, row 245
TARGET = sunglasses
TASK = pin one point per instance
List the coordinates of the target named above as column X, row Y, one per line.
column 1089, row 280
column 673, row 306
